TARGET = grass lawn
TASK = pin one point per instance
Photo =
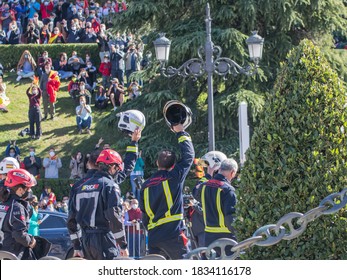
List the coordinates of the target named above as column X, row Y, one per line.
column 61, row 132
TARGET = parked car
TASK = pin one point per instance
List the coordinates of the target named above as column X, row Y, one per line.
column 53, row 228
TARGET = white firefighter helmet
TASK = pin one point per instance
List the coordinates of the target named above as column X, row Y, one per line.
column 8, row 164
column 212, row 159
column 175, row 112
column 130, row 120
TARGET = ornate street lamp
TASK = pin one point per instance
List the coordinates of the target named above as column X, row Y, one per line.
column 213, row 63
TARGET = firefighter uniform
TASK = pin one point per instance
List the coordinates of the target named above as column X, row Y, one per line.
column 161, row 202
column 97, row 209
column 14, row 223
column 218, row 200
column 73, row 226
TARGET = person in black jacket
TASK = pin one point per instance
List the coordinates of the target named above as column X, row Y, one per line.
column 32, row 34
column 13, row 36
column 33, row 163
column 161, row 200
column 94, row 235
column 14, row 213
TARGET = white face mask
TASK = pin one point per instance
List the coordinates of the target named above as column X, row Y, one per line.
column 106, row 60
column 34, row 92
column 56, row 32
column 82, row 87
column 73, row 28
column 32, row 154
column 52, row 154
column 134, row 206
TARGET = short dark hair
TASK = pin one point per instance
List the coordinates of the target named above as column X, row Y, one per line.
column 166, row 159
column 94, row 156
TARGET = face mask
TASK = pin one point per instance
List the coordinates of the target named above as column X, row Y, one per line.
column 73, row 28
column 52, row 154
column 92, row 16
column 26, row 56
column 82, row 88
column 27, row 195
column 45, row 56
column 12, row 154
column 32, row 154
column 34, row 92
column 106, row 60
column 87, row 57
column 81, row 103
column 89, row 65
column 134, row 206
column 34, row 204
column 56, row 32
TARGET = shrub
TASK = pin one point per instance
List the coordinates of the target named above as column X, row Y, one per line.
column 10, row 54
column 297, row 157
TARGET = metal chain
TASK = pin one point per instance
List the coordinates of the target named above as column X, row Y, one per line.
column 272, row 234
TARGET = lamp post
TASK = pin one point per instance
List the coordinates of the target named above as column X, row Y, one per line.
column 213, row 63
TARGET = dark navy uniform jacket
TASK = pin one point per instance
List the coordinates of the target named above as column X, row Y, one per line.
column 218, row 200
column 14, row 223
column 161, row 195
column 97, row 206
column 73, row 225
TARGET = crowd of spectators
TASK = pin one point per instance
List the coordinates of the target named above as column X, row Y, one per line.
column 55, row 21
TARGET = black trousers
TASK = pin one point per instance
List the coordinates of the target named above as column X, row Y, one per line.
column 35, row 119
column 99, row 245
column 173, row 249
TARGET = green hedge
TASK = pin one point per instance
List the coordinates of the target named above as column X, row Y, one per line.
column 10, row 54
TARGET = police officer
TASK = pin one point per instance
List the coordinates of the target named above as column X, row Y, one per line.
column 218, row 201
column 96, row 207
column 14, row 214
column 161, row 199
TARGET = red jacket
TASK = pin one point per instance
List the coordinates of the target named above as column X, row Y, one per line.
column 105, row 69
column 53, row 85
column 46, row 10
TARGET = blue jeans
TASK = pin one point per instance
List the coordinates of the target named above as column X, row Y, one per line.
column 81, row 124
column 65, row 74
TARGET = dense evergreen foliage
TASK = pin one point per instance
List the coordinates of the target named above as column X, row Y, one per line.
column 282, row 23
column 297, row 157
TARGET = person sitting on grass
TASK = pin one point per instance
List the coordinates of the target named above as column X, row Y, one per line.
column 4, row 100
column 84, row 117
column 101, row 100
column 26, row 66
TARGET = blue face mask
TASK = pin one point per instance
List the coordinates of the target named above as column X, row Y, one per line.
column 32, row 154
column 12, row 154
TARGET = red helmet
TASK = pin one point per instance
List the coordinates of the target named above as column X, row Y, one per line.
column 17, row 177
column 109, row 156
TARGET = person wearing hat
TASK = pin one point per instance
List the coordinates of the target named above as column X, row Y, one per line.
column 105, row 70
column 161, row 198
column 49, row 85
column 7, row 164
column 97, row 210
column 14, row 212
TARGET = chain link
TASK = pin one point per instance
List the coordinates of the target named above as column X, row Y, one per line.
column 272, row 234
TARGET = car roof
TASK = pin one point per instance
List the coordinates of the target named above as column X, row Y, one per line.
column 54, row 213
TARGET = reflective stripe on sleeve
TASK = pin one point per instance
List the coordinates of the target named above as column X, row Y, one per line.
column 132, row 149
column 184, row 138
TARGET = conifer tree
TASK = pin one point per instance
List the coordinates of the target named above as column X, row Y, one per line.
column 282, row 23
column 298, row 157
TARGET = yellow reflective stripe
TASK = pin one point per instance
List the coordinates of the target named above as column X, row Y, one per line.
column 168, row 197
column 222, row 228
column 203, row 179
column 132, row 149
column 147, row 206
column 203, row 202
column 184, row 138
column 136, row 122
column 219, row 209
column 217, row 229
column 165, row 220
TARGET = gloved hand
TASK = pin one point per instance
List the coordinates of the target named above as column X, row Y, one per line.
column 78, row 253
